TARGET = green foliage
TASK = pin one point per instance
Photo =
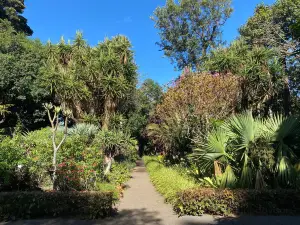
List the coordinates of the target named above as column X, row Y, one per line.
column 20, row 61
column 260, row 71
column 173, row 136
column 120, row 174
column 190, row 28
column 275, row 27
column 107, row 187
column 12, row 11
column 90, row 119
column 188, row 107
column 91, row 79
column 197, row 202
column 114, row 143
column 31, row 205
column 259, row 150
column 166, row 180
column 84, row 129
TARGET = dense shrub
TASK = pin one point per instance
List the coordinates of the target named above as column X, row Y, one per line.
column 120, row 173
column 225, row 202
column 166, row 180
column 214, row 96
column 27, row 205
column 15, row 173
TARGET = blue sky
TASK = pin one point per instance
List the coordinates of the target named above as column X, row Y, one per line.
column 50, row 19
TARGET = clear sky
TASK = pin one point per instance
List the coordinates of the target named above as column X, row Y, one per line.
column 50, row 19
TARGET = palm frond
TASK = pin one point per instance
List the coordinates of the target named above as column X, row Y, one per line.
column 213, row 149
column 228, row 178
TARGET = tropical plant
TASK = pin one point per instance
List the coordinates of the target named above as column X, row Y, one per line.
column 260, row 152
column 84, row 129
column 259, row 71
column 171, row 137
column 54, row 121
column 115, row 143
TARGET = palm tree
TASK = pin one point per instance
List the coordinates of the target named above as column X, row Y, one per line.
column 258, row 150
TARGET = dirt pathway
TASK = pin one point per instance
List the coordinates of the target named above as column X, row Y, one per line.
column 143, row 205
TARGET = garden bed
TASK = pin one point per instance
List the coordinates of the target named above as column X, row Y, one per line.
column 188, row 198
column 31, row 205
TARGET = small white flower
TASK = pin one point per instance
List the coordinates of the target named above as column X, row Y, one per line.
column 20, row 166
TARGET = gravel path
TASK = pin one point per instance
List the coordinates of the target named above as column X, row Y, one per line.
column 143, row 205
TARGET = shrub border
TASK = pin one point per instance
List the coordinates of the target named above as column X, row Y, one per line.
column 31, row 205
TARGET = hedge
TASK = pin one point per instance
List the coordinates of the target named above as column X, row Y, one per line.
column 166, row 180
column 30, row 205
column 226, row 202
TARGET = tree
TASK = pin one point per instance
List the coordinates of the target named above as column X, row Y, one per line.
column 54, row 121
column 12, row 11
column 20, row 62
column 275, row 27
column 202, row 95
column 114, row 70
column 64, row 73
column 260, row 71
column 190, row 29
column 189, row 107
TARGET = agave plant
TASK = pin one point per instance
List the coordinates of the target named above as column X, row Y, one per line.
column 84, row 129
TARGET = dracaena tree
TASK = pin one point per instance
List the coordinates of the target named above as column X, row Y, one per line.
column 114, row 73
column 53, row 113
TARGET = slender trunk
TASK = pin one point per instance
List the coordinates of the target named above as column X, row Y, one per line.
column 286, row 97
column 56, row 148
column 286, row 90
column 108, row 161
column 54, row 170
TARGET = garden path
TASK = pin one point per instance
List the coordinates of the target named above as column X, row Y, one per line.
column 143, row 205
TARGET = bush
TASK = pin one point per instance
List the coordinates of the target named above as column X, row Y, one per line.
column 86, row 160
column 226, row 202
column 120, row 173
column 166, row 180
column 84, row 129
column 29, row 205
column 14, row 167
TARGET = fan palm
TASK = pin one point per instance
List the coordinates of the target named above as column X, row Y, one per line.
column 284, row 134
column 249, row 145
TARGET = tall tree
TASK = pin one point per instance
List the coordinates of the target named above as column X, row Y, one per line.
column 190, row 28
column 260, row 71
column 275, row 27
column 114, row 69
column 20, row 61
column 12, row 11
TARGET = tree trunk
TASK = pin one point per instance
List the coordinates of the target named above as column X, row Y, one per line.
column 109, row 109
column 54, row 169
column 286, row 97
column 108, row 161
column 286, row 90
